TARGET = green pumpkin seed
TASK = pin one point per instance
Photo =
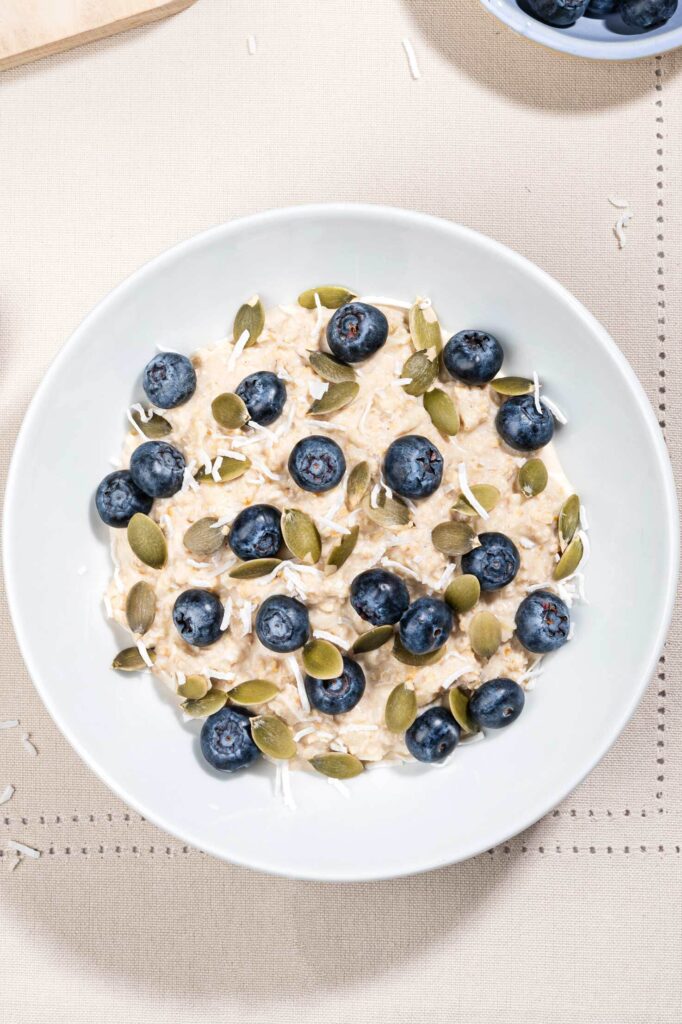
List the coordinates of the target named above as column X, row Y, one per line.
column 401, row 708
column 207, row 705
column 330, row 369
column 424, row 328
column 459, row 709
column 357, row 484
column 229, row 411
column 453, row 538
column 570, row 560
column 301, row 535
column 422, row 371
column 462, row 593
column 372, row 640
column 485, row 494
column 253, row 569
column 532, row 478
column 342, row 551
column 253, row 691
column 569, row 519
column 228, row 470
column 322, row 660
column 147, row 541
column 512, row 385
column 130, row 660
column 337, row 396
column 201, row 539
column 154, row 428
column 250, row 317
column 442, row 411
column 485, row 634
column 273, row 737
column 389, row 512
column 331, row 296
column 406, row 657
column 194, row 687
column 337, row 766
column 141, row 607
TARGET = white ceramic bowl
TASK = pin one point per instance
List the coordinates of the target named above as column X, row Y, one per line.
column 398, row 820
column 600, row 39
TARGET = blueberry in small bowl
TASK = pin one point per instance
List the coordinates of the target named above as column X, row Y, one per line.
column 316, row 463
column 264, row 394
column 282, row 624
column 495, row 563
column 474, row 357
column 522, row 426
column 559, row 13
column 426, row 625
column 647, row 14
column 413, row 466
column 600, row 8
column 543, row 622
column 197, row 616
column 340, row 695
column 496, row 703
column 158, row 468
column 118, row 499
column 169, row 379
column 432, row 736
column 256, row 532
column 226, row 740
column 379, row 597
column 356, row 331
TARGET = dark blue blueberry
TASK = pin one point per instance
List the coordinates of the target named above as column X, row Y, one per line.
column 169, row 380
column 497, row 703
column 379, row 596
column 226, row 740
column 413, row 466
column 256, row 532
column 473, row 357
column 521, row 426
column 426, row 625
column 432, row 736
column 118, row 498
column 264, row 395
column 559, row 13
column 316, row 463
column 647, row 14
column 157, row 468
column 337, row 696
column 600, row 8
column 282, row 624
column 495, row 563
column 197, row 615
column 543, row 622
column 356, row 331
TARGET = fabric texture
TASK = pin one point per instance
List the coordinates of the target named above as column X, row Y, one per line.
column 115, row 151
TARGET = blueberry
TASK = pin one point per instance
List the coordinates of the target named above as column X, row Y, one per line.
column 432, row 736
column 379, row 596
column 169, row 380
column 264, row 395
column 197, row 615
column 282, row 624
column 647, row 14
column 559, row 13
column 521, row 426
column 337, row 696
column 118, row 498
column 413, row 466
column 495, row 563
column 426, row 625
column 497, row 703
column 157, row 468
column 316, row 463
column 226, row 740
column 543, row 622
column 600, row 8
column 356, row 331
column 473, row 357
column 256, row 532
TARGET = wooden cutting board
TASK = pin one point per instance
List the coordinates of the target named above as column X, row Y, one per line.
column 36, row 28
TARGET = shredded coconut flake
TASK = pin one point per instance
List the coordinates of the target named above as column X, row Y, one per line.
column 331, row 525
column 389, row 563
column 536, row 391
column 318, row 388
column 118, row 582
column 225, row 676
column 458, row 672
column 245, row 617
column 338, row 746
column 135, row 425
column 446, row 575
column 27, row 851
column 9, row 723
column 166, row 522
column 468, row 493
column 317, row 327
column 300, row 686
column 7, row 794
column 283, row 374
column 205, row 458
column 317, row 424
column 108, row 610
column 287, row 795
column 583, row 518
column 380, row 300
column 556, row 412
column 365, row 412
column 619, row 229
column 251, row 44
column 526, row 542
column 188, row 481
column 401, row 382
column 227, row 615
column 620, row 204
column 340, row 787
column 264, row 470
column 198, row 565
column 180, row 679
column 359, row 728
column 374, row 496
column 322, row 634
column 144, row 654
column 308, row 730
column 28, row 746
column 237, row 349
column 411, row 59
column 225, row 520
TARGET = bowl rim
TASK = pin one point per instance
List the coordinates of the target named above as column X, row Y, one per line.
column 541, row 806
column 631, row 47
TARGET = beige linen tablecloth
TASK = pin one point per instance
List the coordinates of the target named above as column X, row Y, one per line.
column 113, row 152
